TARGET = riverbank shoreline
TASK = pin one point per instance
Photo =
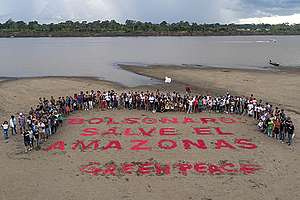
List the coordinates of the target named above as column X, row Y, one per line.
column 268, row 85
column 19, row 94
column 159, row 72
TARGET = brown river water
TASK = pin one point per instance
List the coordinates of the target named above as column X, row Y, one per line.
column 98, row 57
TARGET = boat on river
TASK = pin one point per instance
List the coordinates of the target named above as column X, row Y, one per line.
column 274, row 63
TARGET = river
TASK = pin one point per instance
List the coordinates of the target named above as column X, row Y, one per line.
column 98, row 57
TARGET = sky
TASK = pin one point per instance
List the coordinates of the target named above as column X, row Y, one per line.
column 200, row 11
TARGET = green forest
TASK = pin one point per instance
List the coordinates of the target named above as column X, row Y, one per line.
column 12, row 28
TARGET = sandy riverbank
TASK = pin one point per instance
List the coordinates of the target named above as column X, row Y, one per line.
column 280, row 87
column 48, row 175
column 20, row 94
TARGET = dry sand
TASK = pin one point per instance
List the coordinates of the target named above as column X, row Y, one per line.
column 48, row 175
column 19, row 95
column 279, row 87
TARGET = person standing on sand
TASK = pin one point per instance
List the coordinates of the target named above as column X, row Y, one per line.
column 152, row 100
column 22, row 122
column 41, row 130
column 277, row 125
column 49, row 124
column 190, row 105
column 90, row 100
column 5, row 127
column 282, row 132
column 13, row 125
column 200, row 104
column 270, row 127
column 36, row 134
column 31, row 137
column 188, row 90
column 26, row 141
column 290, row 130
column 195, row 104
column 80, row 100
column 250, row 109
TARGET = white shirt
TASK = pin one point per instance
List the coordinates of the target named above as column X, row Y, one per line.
column 5, row 126
column 30, row 134
column 41, row 124
column 12, row 122
column 250, row 107
column 151, row 99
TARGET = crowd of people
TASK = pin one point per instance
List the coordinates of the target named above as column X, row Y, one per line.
column 43, row 120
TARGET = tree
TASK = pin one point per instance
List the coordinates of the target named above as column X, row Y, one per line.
column 130, row 25
column 33, row 26
column 164, row 26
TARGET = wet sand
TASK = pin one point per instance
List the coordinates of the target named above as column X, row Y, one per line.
column 48, row 175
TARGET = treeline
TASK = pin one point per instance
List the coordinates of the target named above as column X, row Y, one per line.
column 135, row 28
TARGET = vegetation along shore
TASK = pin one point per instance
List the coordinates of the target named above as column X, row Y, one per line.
column 112, row 28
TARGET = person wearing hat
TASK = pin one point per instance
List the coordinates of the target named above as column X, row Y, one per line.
column 22, row 122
